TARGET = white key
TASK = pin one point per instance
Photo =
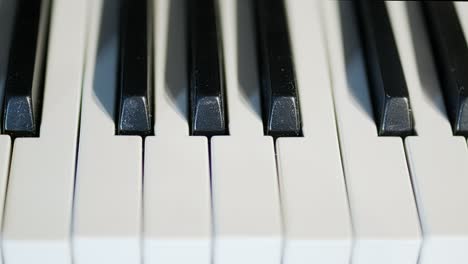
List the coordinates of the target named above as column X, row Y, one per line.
column 38, row 208
column 108, row 194
column 6, row 18
column 247, row 217
column 177, row 197
column 462, row 10
column 436, row 158
column 313, row 192
column 245, row 200
column 383, row 210
column 177, row 202
column 5, row 149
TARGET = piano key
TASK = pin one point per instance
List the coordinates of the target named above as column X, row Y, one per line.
column 171, row 105
column 180, row 231
column 385, row 226
column 243, row 94
column 7, row 15
column 5, row 150
column 246, row 205
column 309, row 167
column 451, row 54
column 108, row 189
column 6, row 21
column 281, row 111
column 416, row 57
column 436, row 158
column 389, row 92
column 135, row 116
column 37, row 220
column 206, row 71
column 24, row 81
column 245, row 200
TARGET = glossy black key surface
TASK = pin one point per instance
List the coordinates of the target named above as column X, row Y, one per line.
column 281, row 113
column 206, row 74
column 451, row 56
column 25, row 72
column 135, row 93
column 387, row 84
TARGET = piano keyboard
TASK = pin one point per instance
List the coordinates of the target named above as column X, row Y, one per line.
column 233, row 131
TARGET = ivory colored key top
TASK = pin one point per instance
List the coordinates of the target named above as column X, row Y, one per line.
column 5, row 150
column 177, row 200
column 38, row 208
column 108, row 194
column 6, row 20
column 177, row 196
column 386, row 226
column 317, row 223
column 246, row 205
column 436, row 158
column 246, row 200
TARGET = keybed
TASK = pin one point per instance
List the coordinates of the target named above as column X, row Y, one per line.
column 233, row 131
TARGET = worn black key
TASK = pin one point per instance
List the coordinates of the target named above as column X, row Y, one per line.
column 25, row 72
column 451, row 57
column 207, row 103
column 135, row 93
column 387, row 84
column 281, row 113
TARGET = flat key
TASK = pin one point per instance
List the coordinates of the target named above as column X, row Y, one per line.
column 451, row 55
column 206, row 74
column 388, row 89
column 135, row 114
column 25, row 73
column 281, row 113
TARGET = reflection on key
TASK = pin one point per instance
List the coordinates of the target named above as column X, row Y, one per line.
column 206, row 72
column 24, row 81
column 134, row 116
column 451, row 56
column 387, row 83
column 279, row 92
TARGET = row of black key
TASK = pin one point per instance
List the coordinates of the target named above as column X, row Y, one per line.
column 281, row 113
column 392, row 108
column 208, row 114
column 280, row 101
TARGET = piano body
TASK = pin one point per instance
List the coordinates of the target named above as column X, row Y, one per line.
column 233, row 131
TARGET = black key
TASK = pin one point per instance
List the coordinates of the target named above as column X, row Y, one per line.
column 208, row 114
column 387, row 84
column 25, row 73
column 281, row 113
column 451, row 57
column 135, row 106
